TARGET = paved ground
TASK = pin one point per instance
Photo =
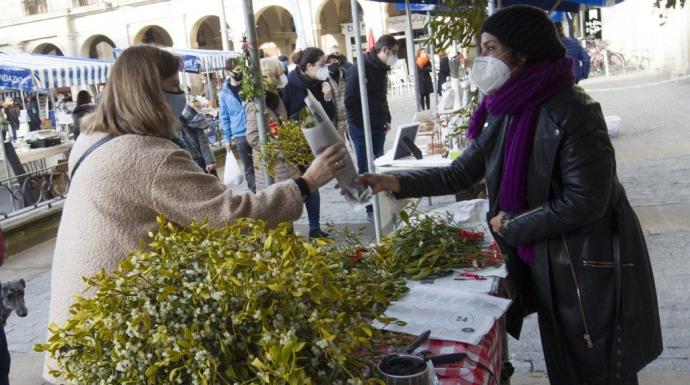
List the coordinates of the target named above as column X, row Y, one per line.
column 653, row 152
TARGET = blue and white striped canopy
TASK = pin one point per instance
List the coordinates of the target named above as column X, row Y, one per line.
column 197, row 60
column 31, row 72
column 208, row 60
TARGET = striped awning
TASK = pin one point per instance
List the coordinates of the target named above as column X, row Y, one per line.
column 4, row 94
column 197, row 60
column 208, row 60
column 48, row 71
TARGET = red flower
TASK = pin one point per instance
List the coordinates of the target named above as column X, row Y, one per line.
column 471, row 235
column 356, row 256
column 273, row 126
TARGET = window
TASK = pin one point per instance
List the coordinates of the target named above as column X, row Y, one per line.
column 34, row 7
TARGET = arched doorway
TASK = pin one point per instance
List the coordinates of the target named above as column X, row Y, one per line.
column 155, row 35
column 48, row 49
column 98, row 47
column 275, row 25
column 206, row 34
column 335, row 26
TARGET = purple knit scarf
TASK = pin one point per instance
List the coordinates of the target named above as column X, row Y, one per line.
column 521, row 96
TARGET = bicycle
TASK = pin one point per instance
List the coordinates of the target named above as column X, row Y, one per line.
column 638, row 61
column 598, row 51
column 37, row 188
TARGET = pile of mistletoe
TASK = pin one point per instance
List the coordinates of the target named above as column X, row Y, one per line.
column 246, row 304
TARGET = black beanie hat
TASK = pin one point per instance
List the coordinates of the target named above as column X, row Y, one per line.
column 527, row 30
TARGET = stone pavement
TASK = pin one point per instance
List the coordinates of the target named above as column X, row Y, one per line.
column 653, row 152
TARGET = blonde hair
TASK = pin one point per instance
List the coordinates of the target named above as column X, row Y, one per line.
column 271, row 69
column 133, row 100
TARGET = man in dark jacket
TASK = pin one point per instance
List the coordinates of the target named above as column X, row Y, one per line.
column 12, row 113
column 377, row 63
column 33, row 114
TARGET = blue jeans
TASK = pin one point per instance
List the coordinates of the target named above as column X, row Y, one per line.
column 245, row 151
column 378, row 139
column 313, row 205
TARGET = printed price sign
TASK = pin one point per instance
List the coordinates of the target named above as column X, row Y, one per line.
column 593, row 23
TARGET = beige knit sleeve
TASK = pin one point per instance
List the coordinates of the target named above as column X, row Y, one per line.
column 182, row 192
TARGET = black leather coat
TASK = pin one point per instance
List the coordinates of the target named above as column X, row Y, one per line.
column 591, row 282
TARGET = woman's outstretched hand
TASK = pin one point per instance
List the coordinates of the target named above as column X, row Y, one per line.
column 329, row 164
column 379, row 182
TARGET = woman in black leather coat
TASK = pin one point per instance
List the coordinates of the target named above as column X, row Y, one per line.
column 576, row 253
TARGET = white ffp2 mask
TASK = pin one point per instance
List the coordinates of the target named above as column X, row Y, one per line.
column 322, row 73
column 392, row 60
column 489, row 74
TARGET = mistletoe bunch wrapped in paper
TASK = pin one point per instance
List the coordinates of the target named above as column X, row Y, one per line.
column 237, row 305
column 286, row 144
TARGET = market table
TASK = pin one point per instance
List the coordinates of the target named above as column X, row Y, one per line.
column 466, row 306
column 34, row 154
column 36, row 159
column 488, row 353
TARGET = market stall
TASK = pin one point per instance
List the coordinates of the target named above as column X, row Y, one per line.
column 197, row 61
column 30, row 165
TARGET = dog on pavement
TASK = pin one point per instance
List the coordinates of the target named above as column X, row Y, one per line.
column 13, row 299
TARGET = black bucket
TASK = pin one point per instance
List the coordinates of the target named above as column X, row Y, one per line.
column 402, row 369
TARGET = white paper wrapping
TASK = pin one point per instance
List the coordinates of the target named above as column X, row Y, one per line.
column 324, row 135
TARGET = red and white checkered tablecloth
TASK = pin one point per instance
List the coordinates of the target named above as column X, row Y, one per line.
column 466, row 372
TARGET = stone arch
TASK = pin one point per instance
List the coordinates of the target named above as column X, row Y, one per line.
column 275, row 24
column 153, row 34
column 205, row 33
column 48, row 49
column 98, row 47
column 334, row 25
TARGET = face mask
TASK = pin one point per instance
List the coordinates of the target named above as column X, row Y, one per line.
column 489, row 74
column 237, row 76
column 322, row 73
column 283, row 81
column 333, row 68
column 177, row 101
column 392, row 60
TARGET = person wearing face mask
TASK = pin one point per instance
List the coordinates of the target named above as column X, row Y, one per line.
column 275, row 80
column 233, row 120
column 426, row 86
column 575, row 252
column 311, row 73
column 193, row 126
column 338, row 83
column 377, row 63
column 125, row 171
column 84, row 107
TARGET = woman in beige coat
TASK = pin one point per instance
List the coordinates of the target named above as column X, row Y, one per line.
column 120, row 186
column 274, row 80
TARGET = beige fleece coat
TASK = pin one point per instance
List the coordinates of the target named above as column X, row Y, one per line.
column 118, row 191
